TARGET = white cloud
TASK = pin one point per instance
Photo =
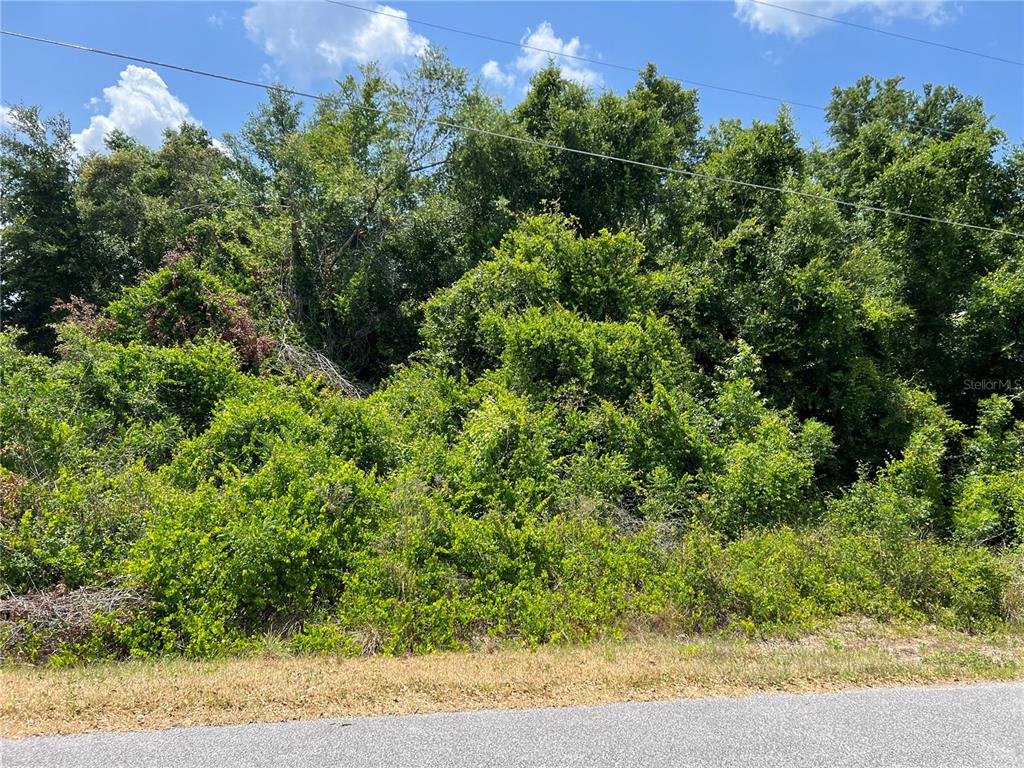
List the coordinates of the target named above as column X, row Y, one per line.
column 217, row 19
column 493, row 72
column 765, row 18
column 5, row 116
column 268, row 74
column 544, row 38
column 316, row 40
column 140, row 105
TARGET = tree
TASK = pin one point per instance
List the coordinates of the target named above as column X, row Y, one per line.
column 765, row 153
column 46, row 255
column 258, row 152
column 933, row 155
column 372, row 236
column 656, row 122
column 114, row 205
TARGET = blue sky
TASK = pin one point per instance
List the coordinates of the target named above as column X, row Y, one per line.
column 309, row 44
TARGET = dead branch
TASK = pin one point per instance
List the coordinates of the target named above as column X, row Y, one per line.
column 48, row 619
column 306, row 362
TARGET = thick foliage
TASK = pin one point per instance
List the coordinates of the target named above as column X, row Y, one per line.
column 600, row 399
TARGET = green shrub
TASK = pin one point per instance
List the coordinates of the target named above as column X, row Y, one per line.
column 420, row 401
column 989, row 509
column 182, row 303
column 561, row 462
column 542, row 264
column 441, row 580
column 138, row 382
column 768, row 477
column 502, row 460
column 908, row 493
column 242, row 435
column 671, row 431
column 599, row 277
column 547, row 352
column 961, row 587
column 590, row 480
column 76, row 532
column 39, row 433
column 266, row 550
column 998, row 440
column 789, row 579
column 505, row 285
column 773, row 582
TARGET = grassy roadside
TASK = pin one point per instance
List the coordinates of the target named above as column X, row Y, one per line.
column 267, row 688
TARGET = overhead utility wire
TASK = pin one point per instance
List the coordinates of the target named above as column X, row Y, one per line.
column 887, row 32
column 442, row 123
column 573, row 56
column 598, row 62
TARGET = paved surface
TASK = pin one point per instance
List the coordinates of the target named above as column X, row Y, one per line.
column 980, row 725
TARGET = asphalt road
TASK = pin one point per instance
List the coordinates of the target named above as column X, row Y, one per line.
column 979, row 725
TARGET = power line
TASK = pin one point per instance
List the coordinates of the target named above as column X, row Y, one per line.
column 601, row 62
column 442, row 123
column 887, row 32
column 573, row 56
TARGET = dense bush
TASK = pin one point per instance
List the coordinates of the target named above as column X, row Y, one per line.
column 361, row 384
column 180, row 303
column 264, row 550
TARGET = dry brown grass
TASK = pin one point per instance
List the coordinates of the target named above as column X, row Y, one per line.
column 267, row 688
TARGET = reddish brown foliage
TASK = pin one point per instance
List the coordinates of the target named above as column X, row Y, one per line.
column 10, row 484
column 242, row 333
column 81, row 313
